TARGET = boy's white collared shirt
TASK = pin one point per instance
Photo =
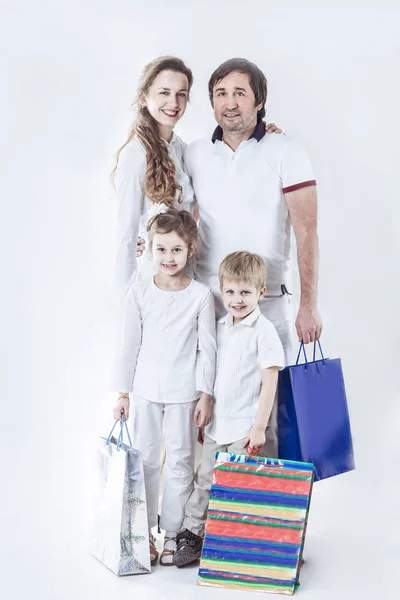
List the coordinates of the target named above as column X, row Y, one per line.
column 166, row 346
column 243, row 351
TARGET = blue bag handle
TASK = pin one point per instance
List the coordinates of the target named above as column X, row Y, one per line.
column 320, row 349
column 121, row 433
column 302, row 347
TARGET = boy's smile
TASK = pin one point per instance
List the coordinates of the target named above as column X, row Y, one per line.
column 240, row 298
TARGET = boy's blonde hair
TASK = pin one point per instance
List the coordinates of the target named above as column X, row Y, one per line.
column 244, row 266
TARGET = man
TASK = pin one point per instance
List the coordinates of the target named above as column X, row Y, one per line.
column 251, row 187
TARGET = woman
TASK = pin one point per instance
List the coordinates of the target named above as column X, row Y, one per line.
column 149, row 169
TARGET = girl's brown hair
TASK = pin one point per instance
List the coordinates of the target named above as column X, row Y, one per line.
column 161, row 184
column 180, row 222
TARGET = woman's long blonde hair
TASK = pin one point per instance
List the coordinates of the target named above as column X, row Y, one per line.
column 161, row 184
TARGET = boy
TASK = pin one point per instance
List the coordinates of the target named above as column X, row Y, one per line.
column 249, row 356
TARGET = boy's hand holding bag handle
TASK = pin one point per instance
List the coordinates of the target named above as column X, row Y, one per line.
column 313, row 418
column 120, row 537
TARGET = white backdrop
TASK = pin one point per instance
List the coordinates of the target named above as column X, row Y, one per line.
column 70, row 72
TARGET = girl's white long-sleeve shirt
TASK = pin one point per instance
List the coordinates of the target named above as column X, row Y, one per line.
column 166, row 348
column 133, row 206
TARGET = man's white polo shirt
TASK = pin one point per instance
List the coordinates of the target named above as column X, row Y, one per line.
column 243, row 351
column 241, row 200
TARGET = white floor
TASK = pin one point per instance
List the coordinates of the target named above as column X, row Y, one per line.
column 351, row 550
column 352, row 547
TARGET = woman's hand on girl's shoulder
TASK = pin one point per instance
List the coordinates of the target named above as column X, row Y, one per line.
column 140, row 246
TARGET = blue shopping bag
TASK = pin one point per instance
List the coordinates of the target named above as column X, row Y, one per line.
column 313, row 418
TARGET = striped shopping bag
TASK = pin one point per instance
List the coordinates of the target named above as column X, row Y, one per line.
column 256, row 524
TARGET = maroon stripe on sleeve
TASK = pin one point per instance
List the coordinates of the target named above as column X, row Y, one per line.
column 297, row 186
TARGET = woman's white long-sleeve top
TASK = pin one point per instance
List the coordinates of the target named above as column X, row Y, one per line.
column 166, row 348
column 133, row 206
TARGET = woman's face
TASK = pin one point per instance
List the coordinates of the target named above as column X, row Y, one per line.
column 166, row 100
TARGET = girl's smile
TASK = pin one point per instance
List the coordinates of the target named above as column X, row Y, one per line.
column 170, row 254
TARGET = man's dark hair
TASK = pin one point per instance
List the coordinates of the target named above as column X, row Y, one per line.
column 258, row 81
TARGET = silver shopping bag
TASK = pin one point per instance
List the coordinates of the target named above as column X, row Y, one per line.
column 120, row 537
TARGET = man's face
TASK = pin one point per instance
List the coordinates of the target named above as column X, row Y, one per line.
column 234, row 103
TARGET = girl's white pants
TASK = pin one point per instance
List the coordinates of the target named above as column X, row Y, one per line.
column 150, row 421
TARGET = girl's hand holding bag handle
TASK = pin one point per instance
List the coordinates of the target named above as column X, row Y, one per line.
column 120, row 537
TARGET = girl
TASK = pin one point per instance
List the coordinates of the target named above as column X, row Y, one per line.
column 166, row 358
column 150, row 167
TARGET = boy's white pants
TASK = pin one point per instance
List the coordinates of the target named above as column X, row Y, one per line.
column 197, row 506
column 150, row 421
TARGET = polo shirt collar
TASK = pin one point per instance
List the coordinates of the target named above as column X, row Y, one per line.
column 248, row 321
column 258, row 133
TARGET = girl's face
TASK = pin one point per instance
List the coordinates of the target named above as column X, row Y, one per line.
column 170, row 253
column 166, row 100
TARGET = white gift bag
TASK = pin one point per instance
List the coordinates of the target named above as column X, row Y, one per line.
column 120, row 537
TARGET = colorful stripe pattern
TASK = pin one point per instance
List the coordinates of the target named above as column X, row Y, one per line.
column 256, row 524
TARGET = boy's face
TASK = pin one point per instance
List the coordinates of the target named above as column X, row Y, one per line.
column 240, row 298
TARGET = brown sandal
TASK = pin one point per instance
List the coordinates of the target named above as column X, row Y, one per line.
column 167, row 552
column 153, row 550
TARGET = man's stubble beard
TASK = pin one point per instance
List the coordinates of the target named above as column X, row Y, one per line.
column 241, row 127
